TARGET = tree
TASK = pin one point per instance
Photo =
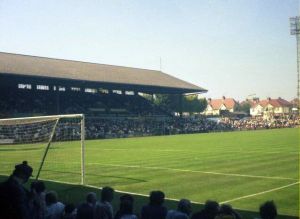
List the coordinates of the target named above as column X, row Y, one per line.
column 192, row 104
column 180, row 103
column 243, row 107
column 171, row 102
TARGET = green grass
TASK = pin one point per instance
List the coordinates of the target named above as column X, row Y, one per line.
column 238, row 167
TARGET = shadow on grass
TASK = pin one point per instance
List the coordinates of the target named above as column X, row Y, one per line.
column 76, row 194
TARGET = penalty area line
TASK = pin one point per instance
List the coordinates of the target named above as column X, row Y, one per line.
column 260, row 193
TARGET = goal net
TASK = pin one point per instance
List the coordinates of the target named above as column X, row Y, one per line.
column 52, row 145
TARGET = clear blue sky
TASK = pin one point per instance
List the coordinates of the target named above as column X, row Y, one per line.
column 230, row 47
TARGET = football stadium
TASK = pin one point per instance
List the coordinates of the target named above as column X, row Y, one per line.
column 85, row 126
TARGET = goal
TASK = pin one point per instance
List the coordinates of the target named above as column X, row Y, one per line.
column 52, row 145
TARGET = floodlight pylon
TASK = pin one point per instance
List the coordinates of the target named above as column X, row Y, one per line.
column 295, row 30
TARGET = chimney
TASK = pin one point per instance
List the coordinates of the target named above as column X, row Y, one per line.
column 223, row 97
column 269, row 98
column 208, row 100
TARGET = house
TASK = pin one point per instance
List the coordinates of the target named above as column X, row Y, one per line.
column 271, row 107
column 295, row 103
column 215, row 107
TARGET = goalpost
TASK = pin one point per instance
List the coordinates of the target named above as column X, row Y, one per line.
column 31, row 139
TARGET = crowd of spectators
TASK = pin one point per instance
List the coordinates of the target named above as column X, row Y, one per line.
column 129, row 127
column 18, row 203
column 113, row 127
column 122, row 127
column 261, row 123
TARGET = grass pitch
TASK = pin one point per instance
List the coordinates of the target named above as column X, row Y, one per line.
column 243, row 169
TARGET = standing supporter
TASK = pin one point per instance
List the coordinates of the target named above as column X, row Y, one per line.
column 183, row 211
column 226, row 211
column 38, row 202
column 69, row 212
column 126, row 208
column 210, row 210
column 155, row 208
column 14, row 198
column 86, row 209
column 268, row 210
column 54, row 208
column 104, row 209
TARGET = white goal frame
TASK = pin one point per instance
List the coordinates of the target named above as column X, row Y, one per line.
column 57, row 118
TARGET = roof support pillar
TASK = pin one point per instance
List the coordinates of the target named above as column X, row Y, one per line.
column 180, row 96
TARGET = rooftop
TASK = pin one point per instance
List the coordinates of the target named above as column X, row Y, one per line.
column 25, row 65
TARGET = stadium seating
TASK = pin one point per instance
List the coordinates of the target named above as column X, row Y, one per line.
column 27, row 103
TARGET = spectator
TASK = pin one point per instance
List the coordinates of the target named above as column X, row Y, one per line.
column 268, row 210
column 14, row 198
column 54, row 208
column 91, row 199
column 38, row 202
column 183, row 211
column 226, row 211
column 155, row 208
column 86, row 209
column 69, row 212
column 104, row 209
column 126, row 208
column 209, row 211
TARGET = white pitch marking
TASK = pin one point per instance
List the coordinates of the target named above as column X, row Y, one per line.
column 193, row 151
column 260, row 193
column 185, row 170
column 195, row 171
